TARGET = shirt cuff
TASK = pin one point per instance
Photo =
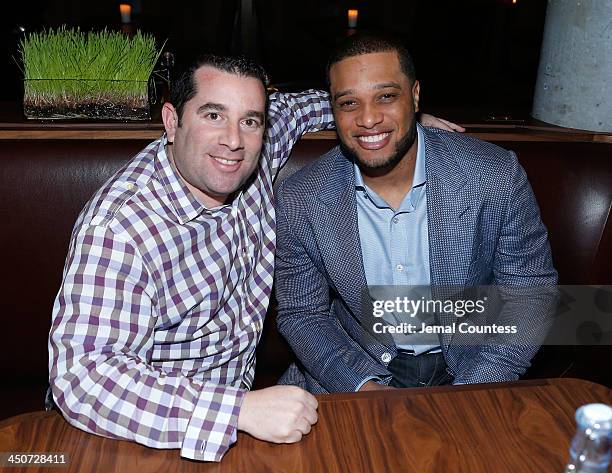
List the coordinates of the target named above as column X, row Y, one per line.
column 371, row 378
column 213, row 425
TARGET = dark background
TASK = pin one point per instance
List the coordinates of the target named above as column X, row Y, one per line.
column 470, row 54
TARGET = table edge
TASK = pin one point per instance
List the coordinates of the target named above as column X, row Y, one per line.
column 327, row 398
column 562, row 382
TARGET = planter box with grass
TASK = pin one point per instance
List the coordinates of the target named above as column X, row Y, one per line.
column 99, row 75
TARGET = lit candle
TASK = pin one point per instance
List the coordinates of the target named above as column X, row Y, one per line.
column 352, row 18
column 126, row 12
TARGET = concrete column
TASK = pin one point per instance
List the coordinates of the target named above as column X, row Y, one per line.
column 574, row 85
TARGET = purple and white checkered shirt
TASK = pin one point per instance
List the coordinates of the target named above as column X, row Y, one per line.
column 162, row 301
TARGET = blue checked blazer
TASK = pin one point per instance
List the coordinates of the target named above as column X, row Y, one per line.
column 484, row 228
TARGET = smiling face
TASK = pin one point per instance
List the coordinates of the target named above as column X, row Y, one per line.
column 374, row 106
column 217, row 145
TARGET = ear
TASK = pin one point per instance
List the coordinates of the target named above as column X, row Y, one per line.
column 416, row 89
column 170, row 119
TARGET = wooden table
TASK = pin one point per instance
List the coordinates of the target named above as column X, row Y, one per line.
column 524, row 426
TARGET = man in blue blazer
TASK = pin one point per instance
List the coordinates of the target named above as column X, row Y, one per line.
column 397, row 204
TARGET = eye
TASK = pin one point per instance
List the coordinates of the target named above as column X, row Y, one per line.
column 251, row 123
column 214, row 116
column 388, row 97
column 347, row 104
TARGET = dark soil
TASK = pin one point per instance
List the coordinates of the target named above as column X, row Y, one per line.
column 107, row 111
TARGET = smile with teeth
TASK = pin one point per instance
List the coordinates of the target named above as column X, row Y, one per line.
column 228, row 162
column 373, row 138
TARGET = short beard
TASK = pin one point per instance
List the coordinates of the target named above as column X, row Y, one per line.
column 402, row 147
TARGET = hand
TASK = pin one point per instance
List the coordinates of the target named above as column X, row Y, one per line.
column 429, row 120
column 280, row 414
column 374, row 386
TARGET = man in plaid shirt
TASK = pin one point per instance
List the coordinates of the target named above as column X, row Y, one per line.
column 169, row 274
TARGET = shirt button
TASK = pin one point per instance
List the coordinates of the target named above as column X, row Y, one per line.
column 244, row 250
column 386, row 357
column 395, row 219
column 399, row 268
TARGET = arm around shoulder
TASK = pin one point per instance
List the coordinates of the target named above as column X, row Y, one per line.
column 290, row 116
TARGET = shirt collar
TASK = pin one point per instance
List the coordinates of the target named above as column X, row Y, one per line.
column 420, row 176
column 185, row 205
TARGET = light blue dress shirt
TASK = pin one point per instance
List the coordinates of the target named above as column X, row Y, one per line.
column 395, row 242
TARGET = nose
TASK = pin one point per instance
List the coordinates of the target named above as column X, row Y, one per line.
column 370, row 116
column 231, row 137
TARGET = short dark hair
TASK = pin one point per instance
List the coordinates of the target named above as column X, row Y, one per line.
column 184, row 88
column 372, row 42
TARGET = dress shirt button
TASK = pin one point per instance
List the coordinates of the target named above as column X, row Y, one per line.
column 244, row 250
column 399, row 268
column 386, row 357
column 395, row 219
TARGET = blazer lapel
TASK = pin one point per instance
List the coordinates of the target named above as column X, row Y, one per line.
column 337, row 232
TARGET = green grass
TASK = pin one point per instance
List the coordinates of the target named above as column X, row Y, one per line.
column 65, row 67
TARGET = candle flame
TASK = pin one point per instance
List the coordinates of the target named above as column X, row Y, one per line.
column 352, row 18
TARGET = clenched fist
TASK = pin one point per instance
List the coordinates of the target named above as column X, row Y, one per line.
column 280, row 414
